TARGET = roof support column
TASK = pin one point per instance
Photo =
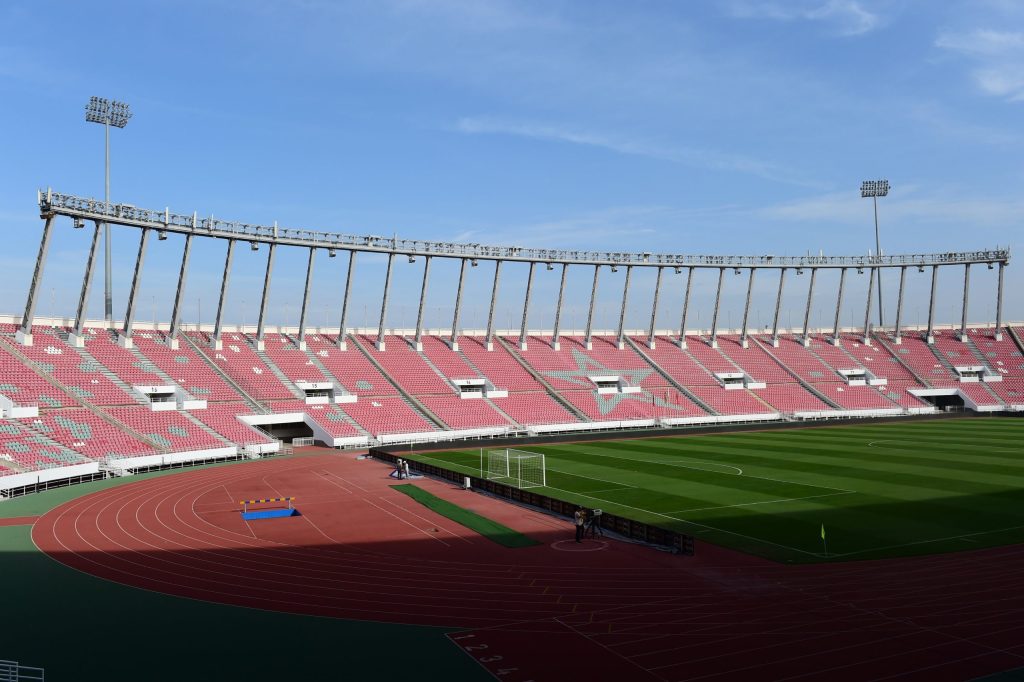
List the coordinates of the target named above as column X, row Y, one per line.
column 999, row 305
column 714, row 316
column 305, row 299
column 260, row 326
column 621, row 339
column 654, row 309
column 839, row 307
column 526, row 307
column 746, row 307
column 588, row 336
column 558, row 308
column 686, row 308
column 217, row 345
column 180, row 293
column 454, row 343
column 418, row 339
column 778, row 307
column 899, row 305
column 76, row 338
column 930, row 336
column 24, row 335
column 489, row 342
column 342, row 344
column 967, row 287
column 384, row 303
column 125, row 339
column 807, row 312
column 867, row 309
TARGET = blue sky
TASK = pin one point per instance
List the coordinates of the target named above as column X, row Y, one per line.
column 736, row 126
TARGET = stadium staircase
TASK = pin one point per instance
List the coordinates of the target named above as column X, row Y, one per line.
column 892, row 351
column 114, row 379
column 1016, row 338
column 13, row 350
column 717, row 352
column 806, row 385
column 276, row 371
column 513, row 350
column 256, row 405
column 984, row 387
column 639, row 349
column 409, row 398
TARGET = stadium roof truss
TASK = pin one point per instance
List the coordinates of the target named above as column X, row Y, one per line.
column 81, row 209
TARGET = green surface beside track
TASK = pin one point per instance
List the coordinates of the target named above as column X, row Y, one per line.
column 492, row 530
column 880, row 490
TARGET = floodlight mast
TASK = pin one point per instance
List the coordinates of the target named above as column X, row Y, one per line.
column 109, row 113
column 875, row 189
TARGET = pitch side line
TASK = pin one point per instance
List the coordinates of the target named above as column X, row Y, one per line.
column 692, row 523
column 925, row 542
column 750, row 504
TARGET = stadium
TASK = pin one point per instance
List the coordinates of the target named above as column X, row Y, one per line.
column 736, row 446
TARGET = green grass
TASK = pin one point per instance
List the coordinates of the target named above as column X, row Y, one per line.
column 492, row 530
column 881, row 490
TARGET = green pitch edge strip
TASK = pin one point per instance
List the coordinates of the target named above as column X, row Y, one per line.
column 492, row 530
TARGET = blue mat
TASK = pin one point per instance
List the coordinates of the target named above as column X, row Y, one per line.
column 269, row 514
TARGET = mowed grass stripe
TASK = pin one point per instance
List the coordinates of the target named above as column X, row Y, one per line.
column 943, row 485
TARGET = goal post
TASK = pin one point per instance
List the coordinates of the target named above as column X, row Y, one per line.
column 519, row 468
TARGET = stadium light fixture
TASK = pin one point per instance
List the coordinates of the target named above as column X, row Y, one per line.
column 254, row 246
column 615, row 268
column 331, row 253
column 735, row 271
column 873, row 189
column 412, row 259
column 474, row 262
column 161, row 236
column 550, row 266
column 860, row 271
column 990, row 266
column 109, row 113
column 677, row 270
column 78, row 223
column 920, row 268
column 799, row 271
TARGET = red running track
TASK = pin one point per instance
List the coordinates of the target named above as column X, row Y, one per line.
column 604, row 610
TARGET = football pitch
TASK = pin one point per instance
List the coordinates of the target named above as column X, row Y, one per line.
column 879, row 490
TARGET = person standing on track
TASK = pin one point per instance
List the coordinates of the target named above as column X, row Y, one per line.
column 578, row 519
column 405, row 467
column 398, row 469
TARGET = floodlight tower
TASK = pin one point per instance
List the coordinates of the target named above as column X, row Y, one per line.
column 109, row 113
column 875, row 189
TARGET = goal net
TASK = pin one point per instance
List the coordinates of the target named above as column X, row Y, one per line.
column 516, row 467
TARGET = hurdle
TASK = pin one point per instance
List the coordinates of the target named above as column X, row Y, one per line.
column 268, row 513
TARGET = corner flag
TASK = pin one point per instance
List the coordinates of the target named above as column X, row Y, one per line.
column 823, row 531
column 825, row 544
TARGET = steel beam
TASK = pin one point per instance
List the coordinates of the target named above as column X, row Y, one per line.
column 899, row 306
column 263, row 300
column 384, row 303
column 714, row 316
column 179, row 295
column 746, row 307
column 458, row 306
column 558, row 309
column 807, row 311
column 654, row 309
column 526, row 307
column 77, row 338
column 930, row 336
column 223, row 295
column 999, row 305
column 967, row 287
column 305, row 299
column 129, row 315
column 24, row 335
column 867, row 308
column 686, row 309
column 494, row 299
column 839, row 307
column 621, row 338
column 342, row 344
column 778, row 307
column 588, row 336
column 418, row 341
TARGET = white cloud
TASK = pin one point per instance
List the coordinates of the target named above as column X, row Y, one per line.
column 703, row 158
column 1000, row 59
column 847, row 17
